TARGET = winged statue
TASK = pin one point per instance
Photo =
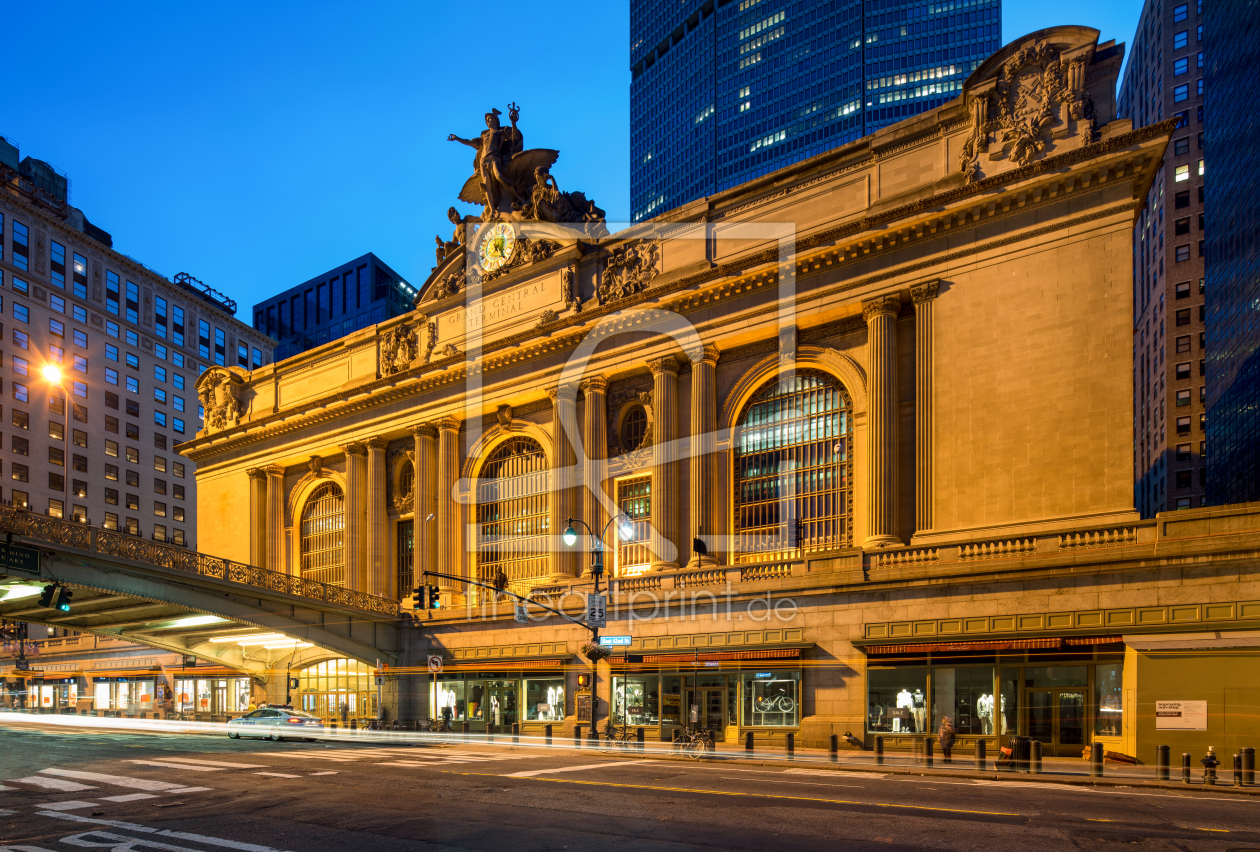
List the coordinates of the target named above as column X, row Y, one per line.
column 503, row 171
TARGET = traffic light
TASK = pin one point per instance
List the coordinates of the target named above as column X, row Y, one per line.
column 435, row 600
column 417, row 597
column 63, row 599
column 46, row 596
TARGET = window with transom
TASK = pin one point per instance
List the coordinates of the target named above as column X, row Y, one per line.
column 512, row 519
column 323, row 532
column 793, row 469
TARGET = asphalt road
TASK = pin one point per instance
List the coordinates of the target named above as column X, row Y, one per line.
column 67, row 789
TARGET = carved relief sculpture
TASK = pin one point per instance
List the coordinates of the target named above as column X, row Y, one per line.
column 221, row 392
column 398, row 349
column 629, row 270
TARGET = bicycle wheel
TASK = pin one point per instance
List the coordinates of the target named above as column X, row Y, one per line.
column 605, row 744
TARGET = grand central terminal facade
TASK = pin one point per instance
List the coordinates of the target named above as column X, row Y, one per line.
column 854, row 441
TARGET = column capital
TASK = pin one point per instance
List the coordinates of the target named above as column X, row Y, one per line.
column 355, row 448
column 449, row 423
column 424, row 430
column 880, row 306
column 597, row 383
column 925, row 292
column 376, row 443
column 275, row 470
column 668, row 364
column 710, row 355
column 256, row 473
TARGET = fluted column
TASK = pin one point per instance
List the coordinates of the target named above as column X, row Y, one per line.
column 564, row 559
column 450, row 538
column 424, row 490
column 665, row 508
column 595, row 464
column 924, row 297
column 704, row 474
column 275, row 519
column 881, row 481
column 380, row 580
column 257, row 517
column 356, row 461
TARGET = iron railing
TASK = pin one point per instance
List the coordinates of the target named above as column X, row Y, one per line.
column 107, row 543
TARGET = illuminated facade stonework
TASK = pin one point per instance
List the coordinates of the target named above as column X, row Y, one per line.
column 888, row 390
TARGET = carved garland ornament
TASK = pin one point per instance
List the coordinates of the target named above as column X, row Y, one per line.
column 628, row 271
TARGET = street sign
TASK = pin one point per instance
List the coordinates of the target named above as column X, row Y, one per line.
column 614, row 641
column 435, row 663
column 16, row 557
column 596, row 611
column 522, row 614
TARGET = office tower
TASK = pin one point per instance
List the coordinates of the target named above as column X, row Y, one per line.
column 1233, row 272
column 1164, row 80
column 724, row 92
column 352, row 296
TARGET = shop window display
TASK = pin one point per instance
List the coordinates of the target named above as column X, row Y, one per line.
column 637, row 700
column 338, row 689
column 897, row 700
column 671, row 700
column 966, row 696
column 771, row 699
column 544, row 700
column 1109, row 699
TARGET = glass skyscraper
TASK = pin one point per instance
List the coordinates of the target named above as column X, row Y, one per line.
column 724, row 91
column 1232, row 207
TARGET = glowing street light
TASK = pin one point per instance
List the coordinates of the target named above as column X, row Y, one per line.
column 52, row 374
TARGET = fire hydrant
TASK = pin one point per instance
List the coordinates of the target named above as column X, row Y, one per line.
column 1209, row 766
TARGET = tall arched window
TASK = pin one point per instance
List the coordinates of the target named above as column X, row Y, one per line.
column 323, row 534
column 512, row 513
column 794, row 469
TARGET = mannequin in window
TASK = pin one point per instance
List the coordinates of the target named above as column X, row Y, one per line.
column 984, row 709
column 905, row 701
column 920, row 711
column 1003, row 715
column 494, row 709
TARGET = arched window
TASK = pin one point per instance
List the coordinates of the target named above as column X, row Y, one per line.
column 323, row 534
column 512, row 519
column 794, row 469
column 337, row 689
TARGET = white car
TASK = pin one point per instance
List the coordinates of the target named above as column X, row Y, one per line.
column 276, row 723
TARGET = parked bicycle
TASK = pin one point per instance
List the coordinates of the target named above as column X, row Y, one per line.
column 613, row 736
column 694, row 744
column 434, row 726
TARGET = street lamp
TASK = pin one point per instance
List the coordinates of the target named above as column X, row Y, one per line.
column 52, row 375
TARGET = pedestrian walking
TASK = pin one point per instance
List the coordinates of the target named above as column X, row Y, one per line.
column 946, row 736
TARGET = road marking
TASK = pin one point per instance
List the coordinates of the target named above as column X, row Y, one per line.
column 176, row 765
column 52, row 784
column 71, row 805
column 749, row 795
column 832, row 773
column 327, row 772
column 4, row 789
column 221, row 763
column 116, row 780
column 533, row 772
column 130, row 797
column 190, row 789
column 162, row 832
column 278, row 774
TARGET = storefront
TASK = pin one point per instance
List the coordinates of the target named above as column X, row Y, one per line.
column 1065, row 693
column 128, row 695
column 338, row 690
column 728, row 693
column 56, row 694
column 211, row 693
column 533, row 695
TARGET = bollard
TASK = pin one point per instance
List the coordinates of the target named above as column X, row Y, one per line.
column 547, row 734
column 789, row 744
column 1096, row 760
column 1185, row 767
column 490, row 731
column 834, row 748
column 748, row 742
column 1034, row 758
column 577, row 736
column 1249, row 766
column 638, row 739
column 1238, row 770
column 332, row 725
column 980, row 761
column 465, row 728
column 593, row 736
column 354, row 724
column 879, row 751
column 927, row 752
column 516, row 733
column 1162, row 756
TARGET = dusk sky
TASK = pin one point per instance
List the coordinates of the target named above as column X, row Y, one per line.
column 255, row 146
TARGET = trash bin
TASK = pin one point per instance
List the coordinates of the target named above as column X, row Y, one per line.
column 1020, row 753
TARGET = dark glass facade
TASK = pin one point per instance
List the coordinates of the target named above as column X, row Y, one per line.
column 724, row 91
column 1233, row 252
column 355, row 295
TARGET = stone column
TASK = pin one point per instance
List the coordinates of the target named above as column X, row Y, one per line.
column 595, row 465
column 425, row 493
column 924, row 296
column 257, row 517
column 564, row 559
column 881, row 480
column 450, row 539
column 379, row 579
column 356, row 461
column 665, row 508
column 275, row 519
column 704, row 460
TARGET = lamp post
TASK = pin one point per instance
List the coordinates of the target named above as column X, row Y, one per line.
column 52, row 375
column 626, row 531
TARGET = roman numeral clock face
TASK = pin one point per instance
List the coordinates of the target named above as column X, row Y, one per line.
column 497, row 246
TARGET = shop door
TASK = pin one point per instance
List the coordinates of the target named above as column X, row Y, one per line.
column 1056, row 718
column 713, row 711
column 220, row 697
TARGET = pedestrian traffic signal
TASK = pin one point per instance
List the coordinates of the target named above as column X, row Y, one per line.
column 63, row 599
column 417, row 597
column 46, row 596
column 435, row 599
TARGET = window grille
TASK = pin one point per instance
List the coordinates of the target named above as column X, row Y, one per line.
column 512, row 514
column 323, row 552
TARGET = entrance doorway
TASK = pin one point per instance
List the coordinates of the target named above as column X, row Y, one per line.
column 710, row 705
column 1056, row 717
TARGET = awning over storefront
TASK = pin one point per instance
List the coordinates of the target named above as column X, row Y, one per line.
column 720, row 656
column 208, row 671
column 1053, row 643
column 501, row 665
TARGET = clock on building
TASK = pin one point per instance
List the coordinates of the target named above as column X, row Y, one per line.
column 497, row 245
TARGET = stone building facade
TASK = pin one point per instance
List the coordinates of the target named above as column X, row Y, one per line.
column 866, row 423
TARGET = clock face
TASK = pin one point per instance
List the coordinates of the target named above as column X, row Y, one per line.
column 496, row 247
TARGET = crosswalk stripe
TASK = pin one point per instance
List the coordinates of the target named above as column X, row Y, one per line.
column 532, row 772
column 116, row 780
column 52, row 784
column 189, row 767
column 192, row 762
column 130, row 797
column 278, row 774
column 72, row 805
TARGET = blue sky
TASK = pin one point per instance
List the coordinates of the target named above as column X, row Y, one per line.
column 256, row 145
